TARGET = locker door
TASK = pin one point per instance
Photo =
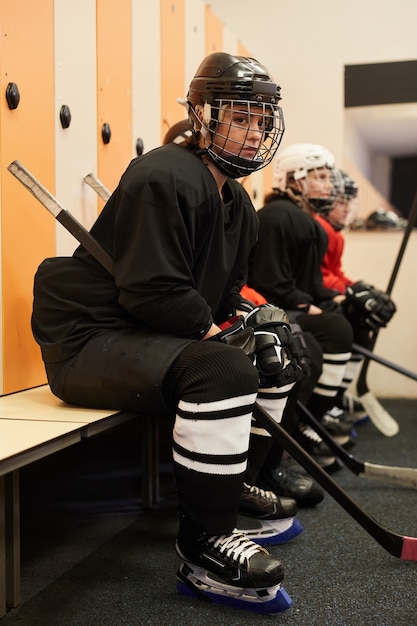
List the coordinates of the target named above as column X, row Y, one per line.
column 172, row 62
column 26, row 134
column 114, row 88
column 214, row 32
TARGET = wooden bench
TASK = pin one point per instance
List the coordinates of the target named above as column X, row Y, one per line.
column 34, row 424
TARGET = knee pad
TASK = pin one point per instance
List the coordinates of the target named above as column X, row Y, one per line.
column 332, row 331
column 211, row 370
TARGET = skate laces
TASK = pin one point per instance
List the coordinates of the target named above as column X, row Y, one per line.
column 261, row 493
column 236, row 547
column 311, row 434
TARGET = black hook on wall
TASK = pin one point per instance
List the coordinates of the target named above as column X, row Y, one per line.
column 65, row 116
column 106, row 133
column 12, row 96
column 139, row 146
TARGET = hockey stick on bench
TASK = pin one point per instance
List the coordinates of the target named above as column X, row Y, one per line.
column 379, row 416
column 399, row 476
column 397, row 545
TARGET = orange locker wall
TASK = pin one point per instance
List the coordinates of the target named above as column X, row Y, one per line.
column 214, row 32
column 172, row 62
column 26, row 134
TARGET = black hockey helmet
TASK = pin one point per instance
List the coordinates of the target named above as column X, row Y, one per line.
column 178, row 132
column 227, row 81
column 384, row 220
column 344, row 188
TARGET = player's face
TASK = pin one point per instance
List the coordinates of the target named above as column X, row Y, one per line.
column 241, row 130
column 340, row 211
column 343, row 212
column 318, row 183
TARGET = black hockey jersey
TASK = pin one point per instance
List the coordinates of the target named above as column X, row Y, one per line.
column 179, row 251
column 285, row 263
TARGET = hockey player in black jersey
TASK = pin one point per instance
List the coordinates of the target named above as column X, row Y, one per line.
column 150, row 338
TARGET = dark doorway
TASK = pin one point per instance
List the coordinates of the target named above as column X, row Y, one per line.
column 403, row 183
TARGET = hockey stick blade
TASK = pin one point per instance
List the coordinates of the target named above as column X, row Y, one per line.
column 380, row 417
column 65, row 218
column 384, row 421
column 96, row 184
column 399, row 546
column 398, row 476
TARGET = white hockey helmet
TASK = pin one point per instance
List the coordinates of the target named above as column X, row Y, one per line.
column 295, row 161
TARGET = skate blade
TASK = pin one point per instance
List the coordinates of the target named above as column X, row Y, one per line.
column 195, row 582
column 272, row 532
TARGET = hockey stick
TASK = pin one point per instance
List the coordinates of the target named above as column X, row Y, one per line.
column 399, row 476
column 379, row 416
column 400, row 546
column 61, row 214
column 96, row 184
column 397, row 545
column 383, row 361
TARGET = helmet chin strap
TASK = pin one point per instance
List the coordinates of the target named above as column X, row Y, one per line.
column 234, row 166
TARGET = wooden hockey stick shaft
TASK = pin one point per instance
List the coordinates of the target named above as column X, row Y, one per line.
column 96, row 184
column 400, row 546
column 397, row 545
column 399, row 476
column 361, row 384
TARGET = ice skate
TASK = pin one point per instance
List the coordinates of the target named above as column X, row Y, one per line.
column 291, row 484
column 230, row 570
column 266, row 518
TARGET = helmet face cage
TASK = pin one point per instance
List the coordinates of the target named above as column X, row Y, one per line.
column 225, row 141
column 323, row 189
column 224, row 88
column 344, row 186
column 294, row 164
column 341, row 207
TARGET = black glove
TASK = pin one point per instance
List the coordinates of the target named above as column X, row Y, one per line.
column 275, row 354
column 239, row 336
column 367, row 305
